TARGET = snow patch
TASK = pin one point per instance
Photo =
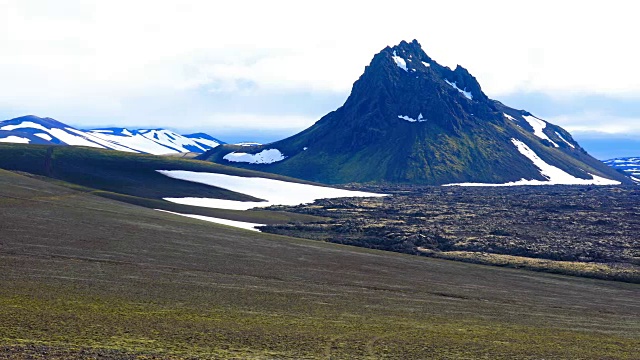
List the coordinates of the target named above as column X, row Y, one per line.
column 275, row 192
column 237, row 224
column 409, row 119
column 269, row 156
column 554, row 175
column 538, row 125
column 305, row 148
column 426, row 64
column 44, row 136
column 464, row 92
column 563, row 139
column 15, row 139
column 70, row 139
column 24, row 124
column 173, row 141
column 248, row 144
column 207, row 142
column 400, row 62
column 509, row 117
column 219, row 203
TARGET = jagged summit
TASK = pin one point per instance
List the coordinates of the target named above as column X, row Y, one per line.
column 420, row 63
column 408, row 83
column 411, row 120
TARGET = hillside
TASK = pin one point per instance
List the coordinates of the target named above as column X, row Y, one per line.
column 410, row 120
column 87, row 277
column 628, row 165
column 134, row 178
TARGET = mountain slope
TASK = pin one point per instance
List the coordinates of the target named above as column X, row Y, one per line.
column 410, row 120
column 24, row 137
column 205, row 140
column 135, row 179
column 629, row 165
column 35, row 130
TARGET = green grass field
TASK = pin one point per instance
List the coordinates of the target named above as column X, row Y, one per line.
column 120, row 172
column 133, row 178
column 84, row 276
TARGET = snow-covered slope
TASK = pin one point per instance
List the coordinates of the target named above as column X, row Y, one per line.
column 36, row 130
column 157, row 141
column 205, row 140
column 630, row 165
column 553, row 175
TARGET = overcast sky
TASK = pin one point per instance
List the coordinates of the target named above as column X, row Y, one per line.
column 265, row 69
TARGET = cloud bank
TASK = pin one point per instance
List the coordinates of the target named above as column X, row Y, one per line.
column 245, row 65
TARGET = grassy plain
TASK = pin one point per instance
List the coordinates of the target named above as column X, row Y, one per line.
column 133, row 178
column 89, row 277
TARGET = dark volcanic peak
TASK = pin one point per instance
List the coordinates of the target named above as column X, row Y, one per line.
column 411, row 120
column 403, row 82
column 411, row 58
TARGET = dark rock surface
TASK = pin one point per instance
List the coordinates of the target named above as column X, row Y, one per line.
column 585, row 225
column 410, row 120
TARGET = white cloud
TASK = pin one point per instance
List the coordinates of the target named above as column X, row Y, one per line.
column 597, row 122
column 234, row 122
column 102, row 55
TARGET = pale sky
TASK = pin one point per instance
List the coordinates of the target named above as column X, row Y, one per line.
column 265, row 69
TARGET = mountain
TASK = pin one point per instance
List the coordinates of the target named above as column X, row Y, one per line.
column 204, row 140
column 35, row 130
column 155, row 141
column 628, row 165
column 410, row 120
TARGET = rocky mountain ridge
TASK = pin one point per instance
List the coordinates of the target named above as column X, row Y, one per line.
column 411, row 120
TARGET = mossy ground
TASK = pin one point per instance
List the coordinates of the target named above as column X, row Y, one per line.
column 71, row 321
column 89, row 277
column 132, row 178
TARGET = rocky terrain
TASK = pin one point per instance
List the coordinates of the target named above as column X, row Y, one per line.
column 589, row 231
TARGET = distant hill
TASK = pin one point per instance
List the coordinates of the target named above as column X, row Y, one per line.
column 410, row 120
column 628, row 165
column 36, row 130
column 205, row 140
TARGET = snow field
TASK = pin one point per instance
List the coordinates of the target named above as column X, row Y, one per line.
column 274, row 192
